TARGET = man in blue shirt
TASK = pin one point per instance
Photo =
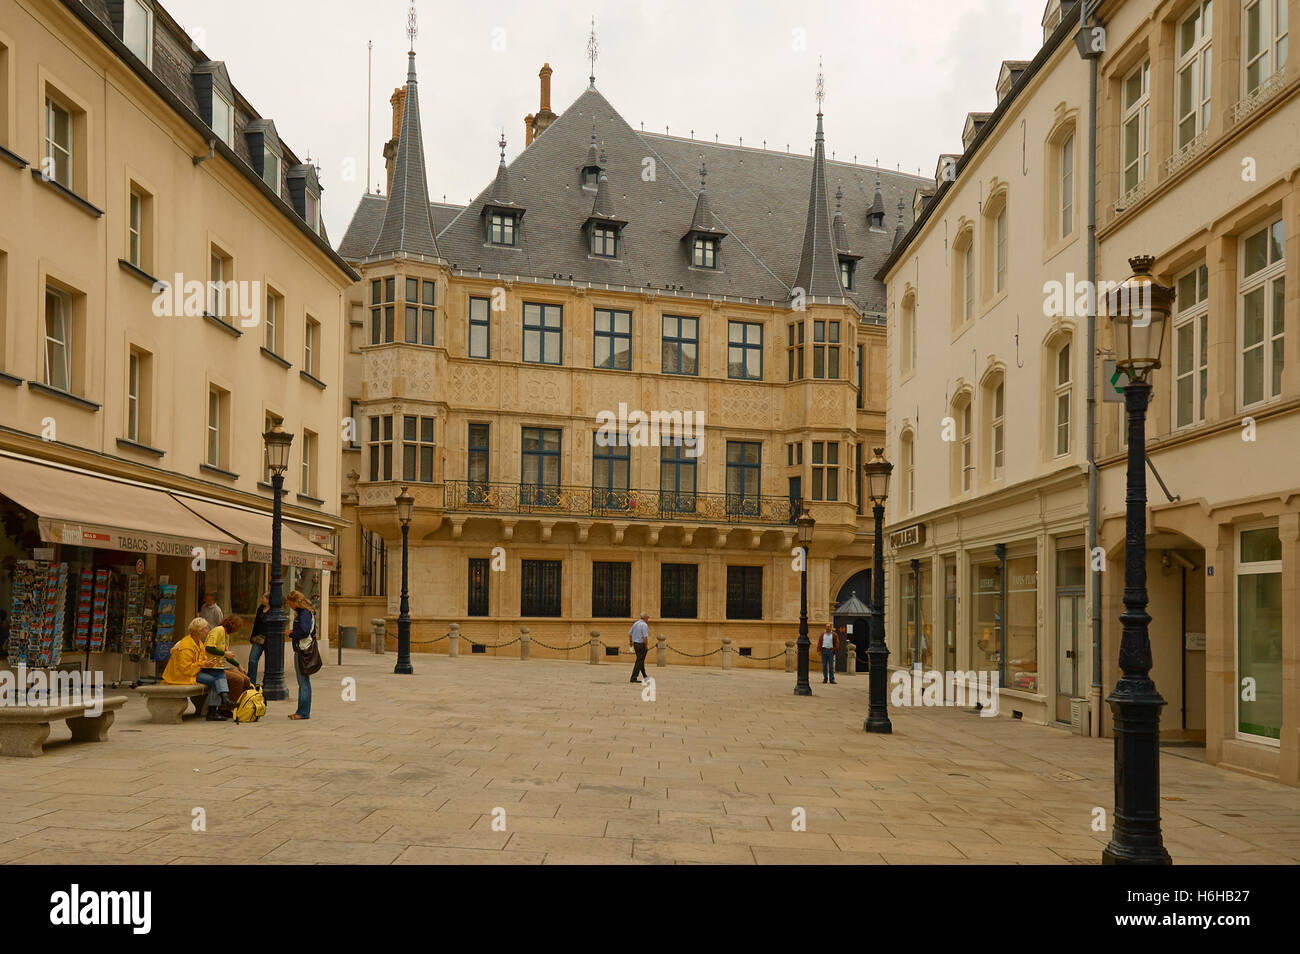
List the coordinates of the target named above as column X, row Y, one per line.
column 639, row 636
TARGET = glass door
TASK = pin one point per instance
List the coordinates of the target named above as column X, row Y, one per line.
column 1070, row 582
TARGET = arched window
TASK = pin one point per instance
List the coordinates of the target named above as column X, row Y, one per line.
column 907, row 335
column 993, row 411
column 1062, row 397
column 962, row 454
column 996, row 252
column 963, row 277
column 907, row 460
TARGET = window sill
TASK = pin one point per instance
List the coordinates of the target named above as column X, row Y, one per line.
column 11, row 379
column 13, row 157
column 305, row 498
column 223, row 325
column 268, row 487
column 68, row 194
column 308, row 376
column 127, row 444
column 218, row 471
column 140, row 273
column 276, row 358
column 63, row 395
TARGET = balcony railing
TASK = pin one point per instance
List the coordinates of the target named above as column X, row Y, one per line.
column 466, row 496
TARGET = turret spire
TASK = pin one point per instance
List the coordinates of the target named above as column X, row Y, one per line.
column 819, row 273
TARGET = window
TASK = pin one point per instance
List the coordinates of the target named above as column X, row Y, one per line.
column 4, row 95
column 964, row 443
column 417, row 448
column 676, row 479
column 704, row 252
column 540, row 589
column 610, row 470
column 744, row 592
column 1065, row 179
column 274, row 311
column 222, row 291
column 1135, row 125
column 825, row 470
column 1264, row 41
column 744, row 351
column 271, row 169
column 540, row 476
column 1263, row 296
column 137, row 29
column 1259, row 631
column 1190, row 347
column 678, row 590
column 908, row 455
column 861, row 370
column 613, row 346
column 846, row 274
column 374, row 564
column 1062, row 398
column 604, row 241
column 139, row 397
column 611, row 590
column 310, row 342
column 135, row 227
column 223, row 118
column 480, row 328
column 1000, row 246
column 480, row 570
column 998, row 429
column 543, row 327
column 479, row 450
column 419, row 311
column 681, row 345
column 379, row 448
column 218, row 427
column 826, row 349
column 794, row 352
column 308, row 485
column 58, row 339
column 58, row 143
column 963, row 281
column 354, row 425
column 1192, row 75
column 311, row 210
column 907, row 336
column 383, row 292
column 501, row 228
column 744, row 469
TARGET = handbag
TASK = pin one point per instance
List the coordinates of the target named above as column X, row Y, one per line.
column 309, row 658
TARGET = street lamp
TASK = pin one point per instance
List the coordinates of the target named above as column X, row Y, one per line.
column 278, row 443
column 804, row 530
column 1138, row 310
column 878, row 470
column 405, row 510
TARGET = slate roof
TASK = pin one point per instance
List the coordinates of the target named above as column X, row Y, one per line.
column 760, row 198
column 408, row 226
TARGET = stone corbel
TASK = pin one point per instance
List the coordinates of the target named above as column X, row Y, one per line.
column 688, row 535
column 547, row 527
column 654, row 535
column 457, row 525
column 619, row 530
column 583, row 530
column 508, row 529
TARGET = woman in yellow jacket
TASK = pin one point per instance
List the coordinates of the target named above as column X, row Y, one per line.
column 187, row 663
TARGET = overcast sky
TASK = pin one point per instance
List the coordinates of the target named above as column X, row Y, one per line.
column 901, row 75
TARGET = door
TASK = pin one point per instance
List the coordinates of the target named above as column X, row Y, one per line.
column 1069, row 637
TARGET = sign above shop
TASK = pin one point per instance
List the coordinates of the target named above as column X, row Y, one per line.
column 107, row 538
column 908, row 537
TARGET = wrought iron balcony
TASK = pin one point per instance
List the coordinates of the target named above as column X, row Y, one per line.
column 465, row 496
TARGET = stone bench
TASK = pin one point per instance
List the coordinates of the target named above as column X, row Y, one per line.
column 167, row 703
column 24, row 729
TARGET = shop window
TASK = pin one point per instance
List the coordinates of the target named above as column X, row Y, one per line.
column 744, row 592
column 678, row 590
column 1020, row 670
column 374, row 564
column 1259, row 632
column 1191, row 347
column 916, row 621
column 480, row 574
column 417, row 448
column 611, row 590
column 986, row 616
column 1262, row 294
column 540, row 588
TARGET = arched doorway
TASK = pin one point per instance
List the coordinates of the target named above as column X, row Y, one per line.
column 851, row 608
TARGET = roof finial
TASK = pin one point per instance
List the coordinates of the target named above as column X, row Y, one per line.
column 821, row 86
column 839, row 198
column 412, row 28
column 502, row 144
column 593, row 50
column 703, row 172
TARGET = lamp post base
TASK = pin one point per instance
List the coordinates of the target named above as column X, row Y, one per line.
column 1135, row 834
column 878, row 683
column 404, row 669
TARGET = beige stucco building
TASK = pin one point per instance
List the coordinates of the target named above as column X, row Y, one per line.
column 166, row 288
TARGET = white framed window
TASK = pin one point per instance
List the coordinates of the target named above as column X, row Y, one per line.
column 1135, row 125
column 966, row 454
column 1264, row 34
column 58, row 339
column 1259, row 599
column 216, row 432
column 1191, row 347
column 1261, row 298
column 312, row 208
column 1000, row 243
column 1065, row 183
column 907, row 338
column 274, row 304
column 998, row 429
column 223, row 118
column 968, row 280
column 133, row 397
column 58, row 143
column 311, row 333
column 134, row 225
column 1192, row 75
column 1063, row 392
column 909, row 472
column 271, row 170
column 137, row 29
column 308, row 486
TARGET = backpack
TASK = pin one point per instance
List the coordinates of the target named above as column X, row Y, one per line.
column 251, row 705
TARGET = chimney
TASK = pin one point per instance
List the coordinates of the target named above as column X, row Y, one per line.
column 537, row 124
column 545, row 74
column 398, row 102
column 528, row 130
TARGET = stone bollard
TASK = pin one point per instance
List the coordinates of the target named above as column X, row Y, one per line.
column 852, row 665
column 595, row 647
column 789, row 655
column 453, row 640
column 524, row 640
column 377, row 636
column 726, row 652
column 662, row 651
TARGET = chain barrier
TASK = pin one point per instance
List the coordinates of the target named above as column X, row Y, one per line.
column 763, row 658
column 561, row 649
column 696, row 655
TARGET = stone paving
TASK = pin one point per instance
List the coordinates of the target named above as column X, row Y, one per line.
column 417, row 769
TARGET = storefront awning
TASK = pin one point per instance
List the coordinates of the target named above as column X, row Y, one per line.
column 254, row 529
column 83, row 510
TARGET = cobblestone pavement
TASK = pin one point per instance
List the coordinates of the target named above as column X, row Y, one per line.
column 576, row 767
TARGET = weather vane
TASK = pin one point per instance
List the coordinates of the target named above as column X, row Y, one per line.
column 703, row 172
column 593, row 50
column 821, row 86
column 411, row 28
column 502, row 144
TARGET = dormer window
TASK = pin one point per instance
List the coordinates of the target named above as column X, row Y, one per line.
column 704, row 252
column 271, row 170
column 304, row 194
column 137, row 29
column 223, row 118
column 311, row 214
column 846, row 274
column 604, row 241
column 501, row 228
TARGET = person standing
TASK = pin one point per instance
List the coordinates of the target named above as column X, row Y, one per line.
column 304, row 625
column 210, row 610
column 829, row 646
column 639, row 638
column 257, row 638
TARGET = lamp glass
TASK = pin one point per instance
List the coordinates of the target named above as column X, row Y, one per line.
column 804, row 526
column 878, row 470
column 405, row 506
column 278, row 442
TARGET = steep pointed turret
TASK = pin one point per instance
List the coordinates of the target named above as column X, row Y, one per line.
column 899, row 231
column 604, row 228
column 502, row 215
column 408, row 227
column 819, row 273
column 876, row 215
column 706, row 232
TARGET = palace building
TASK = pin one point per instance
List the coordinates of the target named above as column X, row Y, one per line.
column 607, row 276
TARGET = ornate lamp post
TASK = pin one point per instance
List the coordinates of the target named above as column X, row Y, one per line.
column 804, row 529
column 878, row 470
column 1138, row 310
column 405, row 510
column 278, row 443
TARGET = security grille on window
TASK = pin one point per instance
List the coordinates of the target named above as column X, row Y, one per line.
column 678, row 588
column 480, row 572
column 417, row 448
column 613, row 345
column 540, row 588
column 611, row 590
column 744, row 592
column 380, row 447
column 383, row 294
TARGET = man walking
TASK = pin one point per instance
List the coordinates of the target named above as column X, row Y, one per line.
column 639, row 636
column 830, row 647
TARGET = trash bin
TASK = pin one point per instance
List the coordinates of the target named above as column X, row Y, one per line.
column 348, row 637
